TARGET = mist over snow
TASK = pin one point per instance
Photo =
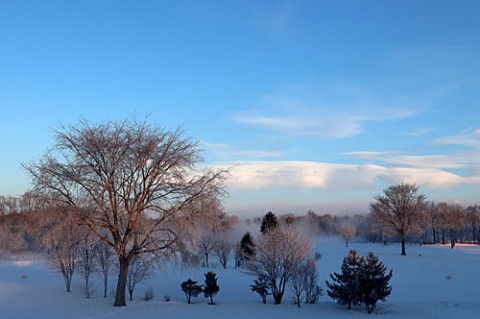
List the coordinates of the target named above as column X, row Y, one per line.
column 431, row 282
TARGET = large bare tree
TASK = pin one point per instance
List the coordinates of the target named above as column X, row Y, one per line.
column 131, row 179
column 399, row 208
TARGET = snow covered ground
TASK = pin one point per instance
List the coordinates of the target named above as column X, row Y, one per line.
column 431, row 282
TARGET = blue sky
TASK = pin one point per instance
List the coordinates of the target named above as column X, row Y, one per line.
column 318, row 104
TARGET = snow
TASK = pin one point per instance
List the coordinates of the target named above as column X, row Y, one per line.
column 430, row 282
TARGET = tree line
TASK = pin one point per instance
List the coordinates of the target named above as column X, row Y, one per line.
column 402, row 213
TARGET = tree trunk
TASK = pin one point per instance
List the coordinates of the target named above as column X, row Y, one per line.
column 122, row 283
column 277, row 297
column 105, row 287
column 130, row 293
column 404, row 251
column 68, row 282
column 298, row 301
column 370, row 308
column 434, row 235
column 87, row 286
column 452, row 239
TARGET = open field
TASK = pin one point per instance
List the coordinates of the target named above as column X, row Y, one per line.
column 431, row 282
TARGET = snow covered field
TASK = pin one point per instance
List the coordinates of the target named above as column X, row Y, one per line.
column 431, row 282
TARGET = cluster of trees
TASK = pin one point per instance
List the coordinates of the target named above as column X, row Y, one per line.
column 280, row 257
column 127, row 195
column 132, row 186
column 402, row 213
column 361, row 280
column 19, row 204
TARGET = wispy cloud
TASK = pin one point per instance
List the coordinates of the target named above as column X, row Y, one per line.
column 416, row 161
column 419, row 132
column 300, row 114
column 227, row 152
column 469, row 137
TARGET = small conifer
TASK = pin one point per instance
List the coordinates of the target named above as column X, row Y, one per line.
column 345, row 286
column 191, row 289
column 374, row 282
column 211, row 287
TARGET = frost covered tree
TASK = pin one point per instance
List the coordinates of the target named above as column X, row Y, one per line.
column 345, row 286
column 191, row 289
column 210, row 288
column 279, row 254
column 399, row 208
column 134, row 178
column 374, row 282
column 347, row 232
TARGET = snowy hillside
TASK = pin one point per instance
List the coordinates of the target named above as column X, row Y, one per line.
column 431, row 282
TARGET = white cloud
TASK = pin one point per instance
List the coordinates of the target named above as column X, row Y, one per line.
column 470, row 137
column 332, row 177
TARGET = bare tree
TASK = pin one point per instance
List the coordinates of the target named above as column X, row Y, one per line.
column 297, row 284
column 223, row 248
column 399, row 208
column 433, row 218
column 104, row 259
column 279, row 254
column 347, row 232
column 135, row 179
column 61, row 245
column 304, row 281
column 85, row 264
column 140, row 268
column 205, row 247
column 312, row 290
column 473, row 213
column 453, row 218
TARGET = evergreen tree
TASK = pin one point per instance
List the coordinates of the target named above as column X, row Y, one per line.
column 262, row 287
column 345, row 288
column 191, row 289
column 269, row 222
column 374, row 284
column 211, row 287
column 362, row 280
column 247, row 247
